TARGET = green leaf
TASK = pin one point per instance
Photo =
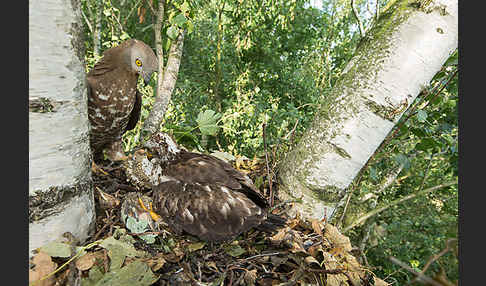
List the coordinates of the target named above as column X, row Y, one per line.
column 235, row 250
column 124, row 36
column 402, row 160
column 190, row 27
column 136, row 226
column 418, row 132
column 136, row 273
column 180, row 20
column 196, row 246
column 185, row 7
column 118, row 250
column 425, row 144
column 94, row 275
column 57, row 249
column 172, row 32
column 208, row 122
column 421, row 115
column 373, row 174
column 148, row 238
column 223, row 156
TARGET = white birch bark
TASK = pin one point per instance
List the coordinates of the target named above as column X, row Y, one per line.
column 394, row 62
column 60, row 187
column 165, row 84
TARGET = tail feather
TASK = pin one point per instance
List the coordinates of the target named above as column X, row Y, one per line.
column 272, row 223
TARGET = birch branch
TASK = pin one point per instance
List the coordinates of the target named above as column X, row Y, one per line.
column 355, row 13
column 422, row 278
column 396, row 202
column 165, row 85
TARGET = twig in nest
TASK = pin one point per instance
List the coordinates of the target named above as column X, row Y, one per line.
column 261, row 255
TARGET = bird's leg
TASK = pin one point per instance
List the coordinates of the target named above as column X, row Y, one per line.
column 96, row 169
column 150, row 210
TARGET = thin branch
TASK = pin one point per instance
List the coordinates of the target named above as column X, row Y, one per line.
column 165, row 85
column 161, row 3
column 87, row 21
column 434, row 257
column 397, row 201
column 97, row 28
column 268, row 168
column 262, row 255
column 377, row 10
column 355, row 13
column 131, row 11
column 421, row 277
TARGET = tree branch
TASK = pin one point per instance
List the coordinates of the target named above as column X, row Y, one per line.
column 377, row 10
column 396, row 202
column 355, row 13
column 165, row 85
column 87, row 22
column 161, row 4
column 422, row 278
column 97, row 28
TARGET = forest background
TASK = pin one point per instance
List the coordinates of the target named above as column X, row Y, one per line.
column 260, row 69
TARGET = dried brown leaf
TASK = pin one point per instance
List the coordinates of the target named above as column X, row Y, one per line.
column 337, row 251
column 212, row 265
column 297, row 247
column 156, row 262
column 250, row 277
column 311, row 260
column 379, row 282
column 316, row 226
column 336, row 238
column 175, row 256
column 43, row 266
column 106, row 200
column 279, row 236
column 315, row 249
column 141, row 14
column 87, row 261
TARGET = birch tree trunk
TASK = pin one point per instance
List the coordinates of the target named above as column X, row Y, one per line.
column 393, row 63
column 60, row 186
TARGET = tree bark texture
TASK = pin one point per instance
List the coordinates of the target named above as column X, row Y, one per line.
column 392, row 64
column 165, row 85
column 60, row 186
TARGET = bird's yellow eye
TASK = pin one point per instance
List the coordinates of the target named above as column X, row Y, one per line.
column 138, row 62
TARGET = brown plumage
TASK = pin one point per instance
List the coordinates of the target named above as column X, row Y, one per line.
column 114, row 103
column 205, row 196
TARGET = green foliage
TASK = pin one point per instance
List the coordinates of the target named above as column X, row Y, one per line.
column 249, row 63
column 208, row 122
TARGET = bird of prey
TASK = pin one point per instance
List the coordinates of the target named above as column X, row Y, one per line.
column 114, row 103
column 200, row 194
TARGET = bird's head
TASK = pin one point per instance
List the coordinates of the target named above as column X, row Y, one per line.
column 162, row 145
column 141, row 59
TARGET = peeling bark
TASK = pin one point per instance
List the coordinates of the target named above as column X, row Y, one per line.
column 392, row 64
column 165, row 85
column 60, row 187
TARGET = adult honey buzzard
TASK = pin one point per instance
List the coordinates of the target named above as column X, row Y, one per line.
column 114, row 103
column 200, row 194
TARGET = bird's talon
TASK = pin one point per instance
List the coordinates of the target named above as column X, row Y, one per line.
column 154, row 216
